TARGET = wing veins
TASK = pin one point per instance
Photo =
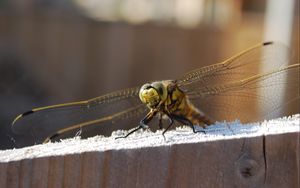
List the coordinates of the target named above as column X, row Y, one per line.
column 211, row 69
column 100, row 120
column 238, row 84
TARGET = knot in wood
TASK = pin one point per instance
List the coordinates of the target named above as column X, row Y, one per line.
column 247, row 168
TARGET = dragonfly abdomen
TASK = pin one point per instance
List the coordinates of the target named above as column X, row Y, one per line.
column 190, row 112
column 179, row 104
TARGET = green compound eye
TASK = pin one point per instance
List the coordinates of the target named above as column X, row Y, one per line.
column 161, row 89
column 149, row 96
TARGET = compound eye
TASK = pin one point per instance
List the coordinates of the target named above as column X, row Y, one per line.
column 149, row 95
column 145, row 86
column 161, row 89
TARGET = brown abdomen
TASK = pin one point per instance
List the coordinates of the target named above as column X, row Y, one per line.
column 189, row 111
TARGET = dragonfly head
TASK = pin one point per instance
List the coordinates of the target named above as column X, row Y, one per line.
column 152, row 94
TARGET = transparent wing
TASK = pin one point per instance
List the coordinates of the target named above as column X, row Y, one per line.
column 222, row 91
column 245, row 64
column 101, row 115
column 259, row 97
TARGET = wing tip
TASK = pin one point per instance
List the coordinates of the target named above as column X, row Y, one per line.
column 268, row 43
column 16, row 119
column 22, row 115
column 27, row 113
column 49, row 138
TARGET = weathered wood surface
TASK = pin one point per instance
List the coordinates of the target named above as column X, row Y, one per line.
column 255, row 155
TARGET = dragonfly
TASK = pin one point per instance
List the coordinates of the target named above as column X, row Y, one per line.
column 226, row 91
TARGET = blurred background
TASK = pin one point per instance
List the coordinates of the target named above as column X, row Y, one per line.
column 57, row 51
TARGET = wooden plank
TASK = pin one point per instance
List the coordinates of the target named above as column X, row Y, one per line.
column 254, row 155
column 56, row 171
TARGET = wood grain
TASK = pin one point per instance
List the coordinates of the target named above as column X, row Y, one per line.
column 248, row 161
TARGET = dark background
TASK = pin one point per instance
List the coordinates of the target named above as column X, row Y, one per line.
column 56, row 51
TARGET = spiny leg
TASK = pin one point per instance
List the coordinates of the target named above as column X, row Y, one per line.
column 132, row 131
column 170, row 124
column 160, row 125
column 143, row 124
column 184, row 120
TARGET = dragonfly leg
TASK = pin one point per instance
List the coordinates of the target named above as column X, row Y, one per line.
column 143, row 124
column 132, row 131
column 160, row 125
column 184, row 120
column 170, row 124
